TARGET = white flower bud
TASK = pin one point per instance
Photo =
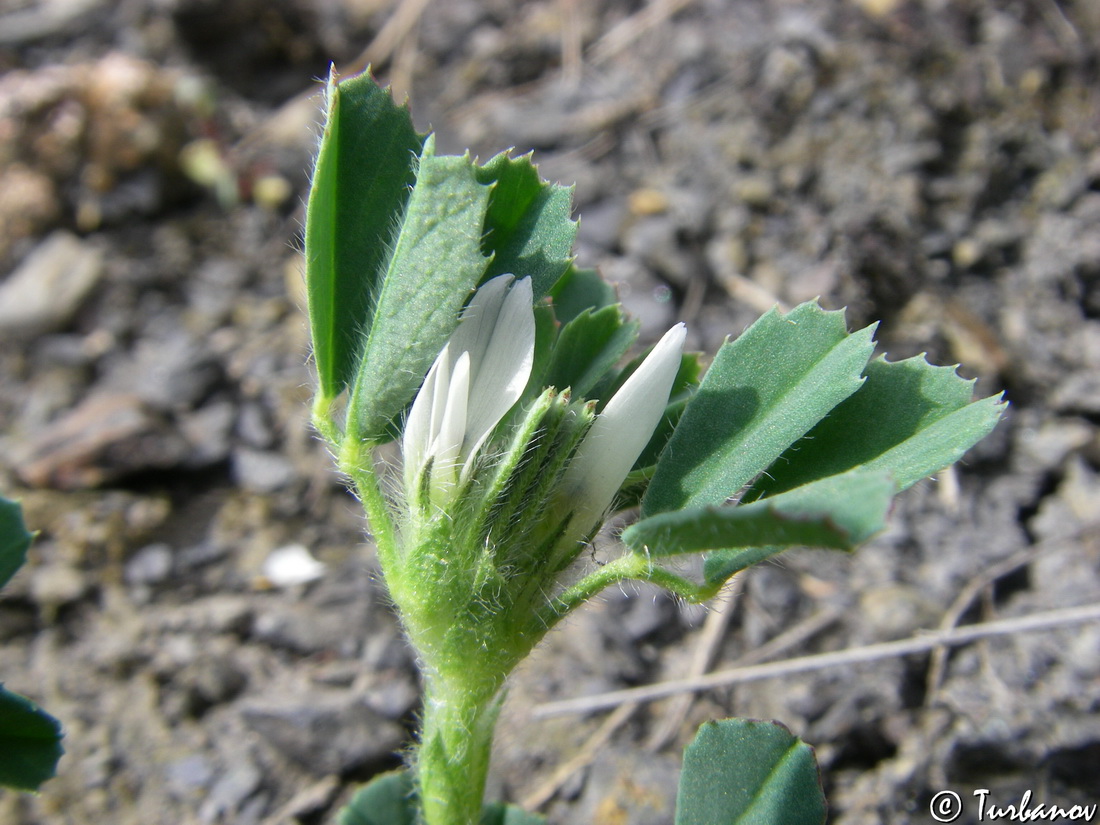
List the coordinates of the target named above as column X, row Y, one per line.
column 476, row 379
column 620, row 433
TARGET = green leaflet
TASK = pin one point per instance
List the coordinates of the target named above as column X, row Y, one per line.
column 528, row 231
column 742, row 771
column 436, row 264
column 30, row 739
column 909, row 418
column 839, row 512
column 385, row 800
column 365, row 166
column 763, row 391
column 15, row 540
column 30, row 743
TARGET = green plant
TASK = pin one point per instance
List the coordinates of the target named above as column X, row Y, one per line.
column 30, row 739
column 446, row 312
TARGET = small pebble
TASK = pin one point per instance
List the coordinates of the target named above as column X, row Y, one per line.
column 292, row 565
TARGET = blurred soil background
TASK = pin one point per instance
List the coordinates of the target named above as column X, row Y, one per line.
column 931, row 163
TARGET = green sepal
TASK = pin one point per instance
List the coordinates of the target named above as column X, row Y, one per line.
column 365, row 167
column 30, row 743
column 763, row 392
column 528, row 230
column 436, row 265
column 470, row 579
column 742, row 771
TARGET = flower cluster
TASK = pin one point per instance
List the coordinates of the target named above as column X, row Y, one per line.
column 482, row 372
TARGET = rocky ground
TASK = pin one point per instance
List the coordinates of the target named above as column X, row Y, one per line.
column 931, row 163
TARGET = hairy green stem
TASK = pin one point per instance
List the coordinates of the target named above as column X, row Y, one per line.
column 629, row 566
column 452, row 760
column 323, row 423
column 356, row 461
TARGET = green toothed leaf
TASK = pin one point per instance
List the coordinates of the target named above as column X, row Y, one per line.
column 763, row 392
column 15, row 539
column 909, row 418
column 528, row 229
column 839, row 512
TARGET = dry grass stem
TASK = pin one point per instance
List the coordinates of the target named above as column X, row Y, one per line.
column 1045, row 620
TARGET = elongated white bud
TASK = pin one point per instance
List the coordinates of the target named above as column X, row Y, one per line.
column 620, row 433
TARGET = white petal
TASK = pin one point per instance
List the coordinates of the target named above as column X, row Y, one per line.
column 501, row 374
column 620, row 433
column 479, row 319
column 440, row 393
column 479, row 375
column 448, row 443
column 420, row 428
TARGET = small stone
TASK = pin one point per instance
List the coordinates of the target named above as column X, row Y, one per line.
column 648, row 201
column 254, row 428
column 261, row 471
column 28, row 203
column 208, row 431
column 271, row 191
column 303, row 629
column 211, row 680
column 239, row 781
column 291, row 565
column 333, row 733
column 55, row 586
column 1079, row 393
column 393, row 696
column 967, row 252
column 171, row 372
column 896, row 611
column 47, row 289
column 105, row 438
column 755, row 190
column 149, row 565
column 189, row 775
column 1049, row 444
